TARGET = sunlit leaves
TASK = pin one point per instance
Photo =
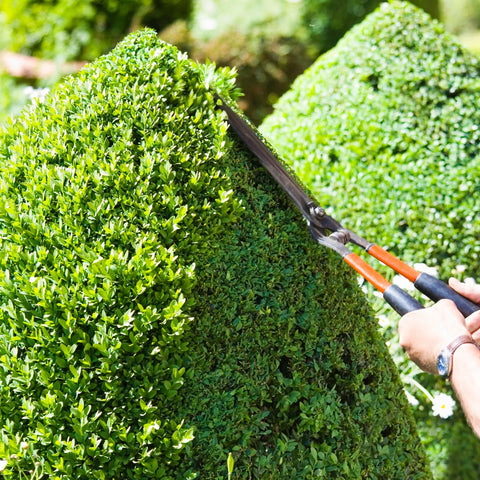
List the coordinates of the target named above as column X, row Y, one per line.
column 103, row 192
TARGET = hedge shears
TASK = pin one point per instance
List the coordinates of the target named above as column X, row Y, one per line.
column 329, row 232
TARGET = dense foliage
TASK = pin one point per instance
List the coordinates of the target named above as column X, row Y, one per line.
column 162, row 303
column 384, row 128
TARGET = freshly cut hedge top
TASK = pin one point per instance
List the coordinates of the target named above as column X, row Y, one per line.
column 385, row 129
column 163, row 304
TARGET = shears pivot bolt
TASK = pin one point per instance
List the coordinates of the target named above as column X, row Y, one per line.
column 342, row 236
column 317, row 211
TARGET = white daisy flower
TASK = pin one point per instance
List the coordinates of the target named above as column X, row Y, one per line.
column 383, row 320
column 443, row 405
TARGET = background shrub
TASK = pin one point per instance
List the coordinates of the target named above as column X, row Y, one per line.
column 162, row 303
column 271, row 45
column 82, row 29
column 326, row 21
column 384, row 129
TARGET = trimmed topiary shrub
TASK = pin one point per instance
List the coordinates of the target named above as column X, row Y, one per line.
column 163, row 304
column 384, row 129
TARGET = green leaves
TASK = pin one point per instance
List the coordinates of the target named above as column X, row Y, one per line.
column 100, row 228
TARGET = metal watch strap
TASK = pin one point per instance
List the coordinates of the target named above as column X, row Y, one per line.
column 454, row 344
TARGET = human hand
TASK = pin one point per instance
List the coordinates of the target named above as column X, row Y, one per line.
column 424, row 333
column 472, row 292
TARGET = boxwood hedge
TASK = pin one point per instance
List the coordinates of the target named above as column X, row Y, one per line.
column 384, row 128
column 162, row 303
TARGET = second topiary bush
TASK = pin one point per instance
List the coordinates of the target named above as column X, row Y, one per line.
column 384, row 128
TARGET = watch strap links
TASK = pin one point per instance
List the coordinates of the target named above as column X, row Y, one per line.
column 452, row 347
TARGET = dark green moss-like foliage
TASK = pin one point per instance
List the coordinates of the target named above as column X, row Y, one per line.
column 385, row 129
column 163, row 304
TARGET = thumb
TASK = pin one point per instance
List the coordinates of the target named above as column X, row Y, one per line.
column 472, row 292
column 473, row 326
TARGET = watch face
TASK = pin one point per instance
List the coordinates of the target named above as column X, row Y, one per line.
column 443, row 363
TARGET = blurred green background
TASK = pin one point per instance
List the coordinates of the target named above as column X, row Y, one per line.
column 269, row 42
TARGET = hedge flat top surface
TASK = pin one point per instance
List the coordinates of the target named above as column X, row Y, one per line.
column 385, row 129
column 162, row 303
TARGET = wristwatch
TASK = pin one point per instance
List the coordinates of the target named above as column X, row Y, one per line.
column 444, row 359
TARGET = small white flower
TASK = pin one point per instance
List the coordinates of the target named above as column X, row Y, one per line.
column 422, row 267
column 24, row 446
column 460, row 268
column 3, row 465
column 403, row 283
column 412, row 400
column 28, row 91
column 383, row 320
column 443, row 405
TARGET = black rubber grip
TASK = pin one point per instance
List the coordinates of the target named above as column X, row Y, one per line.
column 435, row 289
column 401, row 301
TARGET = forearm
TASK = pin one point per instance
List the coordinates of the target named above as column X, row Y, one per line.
column 465, row 381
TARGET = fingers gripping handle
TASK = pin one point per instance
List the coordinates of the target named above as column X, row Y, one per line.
column 430, row 286
column 435, row 289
